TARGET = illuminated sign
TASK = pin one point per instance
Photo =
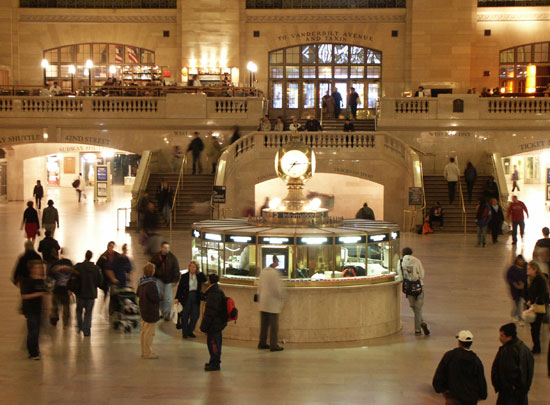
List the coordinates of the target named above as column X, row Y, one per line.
column 378, row 238
column 213, row 236
column 394, row 235
column 275, row 240
column 350, row 239
column 314, row 240
column 195, row 233
column 240, row 239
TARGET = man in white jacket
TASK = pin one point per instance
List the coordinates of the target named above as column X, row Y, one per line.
column 411, row 269
column 452, row 175
column 271, row 298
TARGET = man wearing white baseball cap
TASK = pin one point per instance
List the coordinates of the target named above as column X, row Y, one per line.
column 459, row 375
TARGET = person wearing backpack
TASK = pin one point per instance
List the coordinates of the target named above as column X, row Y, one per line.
column 413, row 287
column 214, row 321
column 271, row 299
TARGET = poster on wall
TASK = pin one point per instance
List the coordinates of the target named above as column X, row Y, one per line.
column 69, row 165
column 102, row 189
column 548, row 175
column 415, row 196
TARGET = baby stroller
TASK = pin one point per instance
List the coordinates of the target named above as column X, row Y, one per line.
column 124, row 309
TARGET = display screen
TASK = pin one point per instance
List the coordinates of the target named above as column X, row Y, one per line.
column 281, row 257
column 101, row 173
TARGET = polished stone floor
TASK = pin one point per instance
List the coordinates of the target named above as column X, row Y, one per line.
column 465, row 289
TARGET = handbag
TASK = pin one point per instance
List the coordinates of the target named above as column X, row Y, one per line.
column 529, row 315
column 539, row 308
column 409, row 287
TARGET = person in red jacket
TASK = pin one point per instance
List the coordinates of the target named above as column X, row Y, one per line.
column 515, row 211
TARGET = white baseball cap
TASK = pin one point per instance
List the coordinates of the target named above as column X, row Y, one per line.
column 465, row 336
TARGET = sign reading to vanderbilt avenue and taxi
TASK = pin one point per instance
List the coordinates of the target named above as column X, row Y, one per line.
column 326, row 36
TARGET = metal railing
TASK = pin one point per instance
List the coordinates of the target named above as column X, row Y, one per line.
column 179, row 184
column 141, row 4
column 512, row 3
column 322, row 4
column 462, row 203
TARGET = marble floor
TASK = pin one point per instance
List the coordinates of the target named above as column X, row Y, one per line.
column 465, row 289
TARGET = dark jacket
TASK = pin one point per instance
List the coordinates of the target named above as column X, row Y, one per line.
column 460, row 374
column 513, row 368
column 483, row 215
column 89, row 279
column 537, row 292
column 106, row 263
column 167, row 267
column 32, row 306
column 183, row 287
column 497, row 217
column 165, row 196
column 365, row 213
column 122, row 266
column 196, row 146
column 470, row 174
column 47, row 246
column 149, row 299
column 349, row 127
column 38, row 191
column 214, row 319
column 515, row 275
column 30, row 216
column 150, row 221
column 21, row 270
column 337, row 100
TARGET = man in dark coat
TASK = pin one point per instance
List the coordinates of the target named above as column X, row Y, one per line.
column 38, row 194
column 167, row 272
column 189, row 296
column 21, row 270
column 513, row 367
column 105, row 263
column 89, row 279
column 149, row 300
column 196, row 147
column 459, row 375
column 353, row 100
column 214, row 321
column 337, row 102
column 365, row 212
column 49, row 248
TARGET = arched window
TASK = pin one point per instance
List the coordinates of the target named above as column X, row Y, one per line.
column 525, row 68
column 124, row 62
column 299, row 77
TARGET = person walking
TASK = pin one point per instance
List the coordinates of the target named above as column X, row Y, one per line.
column 80, row 187
column 196, row 147
column 515, row 213
column 89, row 279
column 21, row 270
column 38, row 194
column 541, row 252
column 188, row 295
column 32, row 291
column 470, row 175
column 49, row 248
column 214, row 322
column 61, row 271
column 490, row 189
column 122, row 267
column 327, row 104
column 149, row 301
column 50, row 218
column 141, row 209
column 537, row 296
column 365, row 212
column 412, row 270
column 460, row 376
column 337, row 97
column 516, row 277
column 105, row 263
column 483, row 217
column 513, row 368
column 167, row 272
column 353, row 101
column 271, row 300
column 31, row 222
column 214, row 152
column 452, row 175
column 165, row 198
column 515, row 179
column 497, row 219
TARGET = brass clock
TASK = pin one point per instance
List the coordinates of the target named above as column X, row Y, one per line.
column 295, row 162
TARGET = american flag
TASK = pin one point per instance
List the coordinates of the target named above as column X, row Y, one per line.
column 131, row 54
column 118, row 54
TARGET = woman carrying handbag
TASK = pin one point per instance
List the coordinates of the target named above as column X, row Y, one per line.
column 537, row 295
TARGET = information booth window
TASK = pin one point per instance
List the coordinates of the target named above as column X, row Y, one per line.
column 314, row 258
column 378, row 255
column 240, row 256
column 271, row 246
column 351, row 259
column 212, row 253
column 395, row 252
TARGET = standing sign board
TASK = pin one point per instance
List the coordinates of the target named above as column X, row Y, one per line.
column 102, row 187
column 415, row 196
column 218, row 194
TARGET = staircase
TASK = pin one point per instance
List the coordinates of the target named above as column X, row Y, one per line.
column 436, row 189
column 193, row 199
column 338, row 125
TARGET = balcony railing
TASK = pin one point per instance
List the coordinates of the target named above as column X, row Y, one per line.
column 512, row 3
column 98, row 4
column 324, row 4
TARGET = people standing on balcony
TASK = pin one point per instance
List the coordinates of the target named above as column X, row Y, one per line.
column 265, row 124
column 50, row 218
column 348, row 126
column 515, row 178
column 337, row 97
column 365, row 212
column 497, row 219
column 165, row 197
column 55, row 90
column 452, row 175
column 279, row 125
column 470, row 175
column 38, row 194
column 537, row 296
column 31, row 222
column 515, row 213
column 196, row 147
column 437, row 214
column 353, row 101
column 483, row 216
column 516, row 277
column 327, row 104
column 413, row 271
column 45, row 91
column 419, row 92
column 295, row 125
column 235, row 136
column 196, row 82
column 214, row 152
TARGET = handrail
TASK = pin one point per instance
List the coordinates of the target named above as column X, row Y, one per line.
column 501, row 181
column 174, row 200
column 414, row 212
column 464, row 221
column 144, row 179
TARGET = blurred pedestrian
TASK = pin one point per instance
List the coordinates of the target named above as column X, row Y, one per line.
column 515, row 213
column 470, row 175
column 32, row 291
column 497, row 219
column 61, row 271
column 214, row 321
column 50, row 218
column 31, row 222
column 516, row 276
column 49, row 247
column 21, row 269
column 196, row 147
column 483, row 217
column 38, row 194
column 537, row 296
column 89, row 279
column 149, row 300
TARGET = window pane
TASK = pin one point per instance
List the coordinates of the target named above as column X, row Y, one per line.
column 341, row 72
column 292, row 72
column 308, row 72
column 507, row 71
column 131, row 55
column 147, row 57
column 292, row 95
column 276, row 57
column 541, row 52
column 277, row 95
column 276, row 72
column 524, row 53
column 52, row 56
column 507, row 56
column 325, row 72
column 293, row 55
column 373, row 57
column 357, row 72
column 340, row 54
column 324, row 88
column 309, row 95
column 99, row 54
column 373, row 94
column 373, row 72
column 67, row 54
column 521, row 71
column 51, row 71
column 357, row 55
column 65, row 71
column 83, row 53
column 308, row 54
column 325, row 53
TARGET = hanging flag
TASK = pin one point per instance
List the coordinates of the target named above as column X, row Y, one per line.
column 131, row 54
column 118, row 54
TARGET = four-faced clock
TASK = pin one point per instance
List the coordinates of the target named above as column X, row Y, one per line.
column 294, row 163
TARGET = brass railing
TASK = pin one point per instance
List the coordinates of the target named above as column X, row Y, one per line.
column 173, row 211
column 462, row 203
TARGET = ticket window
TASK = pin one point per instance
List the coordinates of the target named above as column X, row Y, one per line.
column 352, row 260
column 378, row 259
column 315, row 262
column 283, row 253
column 213, row 257
column 240, row 259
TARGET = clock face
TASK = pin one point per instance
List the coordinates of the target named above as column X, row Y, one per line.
column 294, row 163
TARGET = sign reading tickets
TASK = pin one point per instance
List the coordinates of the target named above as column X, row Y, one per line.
column 415, row 196
column 218, row 194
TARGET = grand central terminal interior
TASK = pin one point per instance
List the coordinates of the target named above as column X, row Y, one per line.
column 306, row 111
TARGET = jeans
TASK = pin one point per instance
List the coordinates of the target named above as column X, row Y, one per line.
column 87, row 305
column 79, row 194
column 515, row 230
column 515, row 185
column 38, row 202
column 166, row 297
column 197, row 162
column 190, row 314
column 517, row 308
column 214, row 343
column 166, row 213
column 33, row 333
column 353, row 109
column 535, row 332
column 512, row 398
column 269, row 321
column 416, row 303
column 481, row 234
column 60, row 300
column 452, row 189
